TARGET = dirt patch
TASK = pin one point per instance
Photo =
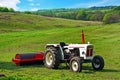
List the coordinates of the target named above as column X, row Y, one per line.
column 5, row 17
column 26, row 20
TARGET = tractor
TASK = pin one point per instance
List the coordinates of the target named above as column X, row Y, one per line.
column 74, row 54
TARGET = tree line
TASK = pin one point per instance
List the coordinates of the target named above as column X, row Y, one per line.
column 109, row 14
column 5, row 9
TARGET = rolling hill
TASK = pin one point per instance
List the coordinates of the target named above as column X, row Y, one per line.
column 10, row 22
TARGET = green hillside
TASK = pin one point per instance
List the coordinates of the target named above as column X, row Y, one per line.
column 21, row 22
column 30, row 38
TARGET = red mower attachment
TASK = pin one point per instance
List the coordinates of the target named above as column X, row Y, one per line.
column 23, row 59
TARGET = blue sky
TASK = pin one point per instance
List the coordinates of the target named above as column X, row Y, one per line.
column 23, row 5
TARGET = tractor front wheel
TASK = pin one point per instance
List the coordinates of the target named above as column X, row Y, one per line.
column 98, row 63
column 75, row 64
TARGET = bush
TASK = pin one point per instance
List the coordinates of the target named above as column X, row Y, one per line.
column 111, row 17
column 27, row 12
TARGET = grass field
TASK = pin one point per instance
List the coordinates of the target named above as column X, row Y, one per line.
column 104, row 37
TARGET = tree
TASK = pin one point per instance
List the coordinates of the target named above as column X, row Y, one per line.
column 81, row 15
column 111, row 17
column 11, row 10
column 95, row 16
column 0, row 9
column 4, row 9
column 117, row 8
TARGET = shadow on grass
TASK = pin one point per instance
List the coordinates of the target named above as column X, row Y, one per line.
column 85, row 69
column 89, row 69
column 110, row 70
column 12, row 66
column 93, row 71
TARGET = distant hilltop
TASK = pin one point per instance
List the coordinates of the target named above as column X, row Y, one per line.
column 75, row 9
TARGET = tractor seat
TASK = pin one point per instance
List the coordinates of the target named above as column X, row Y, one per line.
column 62, row 44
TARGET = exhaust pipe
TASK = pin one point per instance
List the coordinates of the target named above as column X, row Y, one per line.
column 83, row 39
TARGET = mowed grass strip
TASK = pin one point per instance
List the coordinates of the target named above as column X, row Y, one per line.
column 105, row 38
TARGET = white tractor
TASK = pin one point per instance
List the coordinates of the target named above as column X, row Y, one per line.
column 74, row 54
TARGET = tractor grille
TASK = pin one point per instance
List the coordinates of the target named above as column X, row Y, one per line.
column 89, row 52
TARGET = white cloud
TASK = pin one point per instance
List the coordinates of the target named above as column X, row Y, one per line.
column 100, row 3
column 32, row 4
column 10, row 3
column 34, row 9
column 96, row 3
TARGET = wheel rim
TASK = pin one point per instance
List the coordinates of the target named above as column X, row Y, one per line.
column 49, row 58
column 74, row 65
column 96, row 63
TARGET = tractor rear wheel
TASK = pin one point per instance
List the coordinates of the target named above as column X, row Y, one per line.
column 51, row 59
column 76, row 64
column 98, row 63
